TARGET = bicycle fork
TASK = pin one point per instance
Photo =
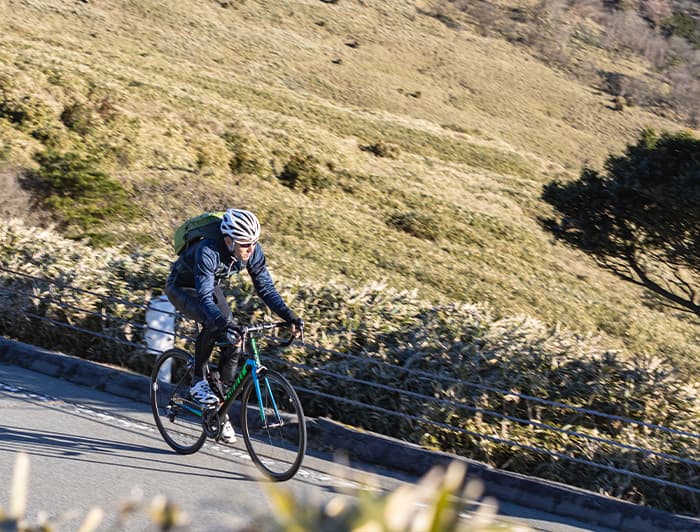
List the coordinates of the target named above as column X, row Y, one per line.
column 256, row 370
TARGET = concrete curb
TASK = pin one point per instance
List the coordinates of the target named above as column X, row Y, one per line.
column 327, row 435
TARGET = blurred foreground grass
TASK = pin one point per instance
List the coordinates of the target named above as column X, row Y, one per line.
column 438, row 501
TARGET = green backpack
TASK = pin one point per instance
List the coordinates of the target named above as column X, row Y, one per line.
column 206, row 225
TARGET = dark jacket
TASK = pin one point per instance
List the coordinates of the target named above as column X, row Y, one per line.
column 203, row 265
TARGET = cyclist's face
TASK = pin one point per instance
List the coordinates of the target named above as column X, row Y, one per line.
column 240, row 250
column 243, row 250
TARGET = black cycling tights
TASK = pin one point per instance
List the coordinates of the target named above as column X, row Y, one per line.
column 186, row 301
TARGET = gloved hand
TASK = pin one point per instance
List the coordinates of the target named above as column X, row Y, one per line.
column 297, row 326
column 234, row 334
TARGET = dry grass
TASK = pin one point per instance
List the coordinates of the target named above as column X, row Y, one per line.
column 479, row 126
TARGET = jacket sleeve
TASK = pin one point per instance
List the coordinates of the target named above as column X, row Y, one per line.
column 206, row 262
column 265, row 287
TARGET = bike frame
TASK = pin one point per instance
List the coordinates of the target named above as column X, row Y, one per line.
column 272, row 429
column 250, row 370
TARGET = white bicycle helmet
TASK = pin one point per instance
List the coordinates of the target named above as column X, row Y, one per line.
column 240, row 225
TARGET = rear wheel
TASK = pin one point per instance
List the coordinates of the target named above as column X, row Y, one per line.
column 274, row 429
column 178, row 417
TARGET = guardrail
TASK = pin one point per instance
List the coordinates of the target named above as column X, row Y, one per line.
column 425, row 401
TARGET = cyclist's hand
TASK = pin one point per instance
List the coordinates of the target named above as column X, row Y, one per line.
column 234, row 335
column 297, row 327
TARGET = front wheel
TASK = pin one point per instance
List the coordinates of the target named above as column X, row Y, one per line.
column 273, row 427
column 178, row 417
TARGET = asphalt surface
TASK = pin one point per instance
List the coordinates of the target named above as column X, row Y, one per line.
column 103, row 390
column 89, row 448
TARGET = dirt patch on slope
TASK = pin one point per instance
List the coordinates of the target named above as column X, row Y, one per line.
column 18, row 202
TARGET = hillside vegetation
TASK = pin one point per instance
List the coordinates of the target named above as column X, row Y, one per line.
column 375, row 141
column 397, row 154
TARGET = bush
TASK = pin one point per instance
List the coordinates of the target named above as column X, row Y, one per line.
column 211, row 154
column 421, row 225
column 78, row 117
column 682, row 25
column 304, row 173
column 83, row 196
column 247, row 157
column 382, row 149
column 75, row 267
column 28, row 114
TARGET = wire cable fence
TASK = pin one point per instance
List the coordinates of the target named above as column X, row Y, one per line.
column 409, row 405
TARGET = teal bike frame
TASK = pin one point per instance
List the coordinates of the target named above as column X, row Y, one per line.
column 250, row 369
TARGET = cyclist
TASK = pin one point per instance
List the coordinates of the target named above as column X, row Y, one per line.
column 193, row 288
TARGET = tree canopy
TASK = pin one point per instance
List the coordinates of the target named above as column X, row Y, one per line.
column 640, row 217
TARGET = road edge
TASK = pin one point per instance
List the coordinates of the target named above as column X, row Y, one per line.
column 376, row 449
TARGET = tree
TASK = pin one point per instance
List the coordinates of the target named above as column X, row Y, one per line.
column 641, row 217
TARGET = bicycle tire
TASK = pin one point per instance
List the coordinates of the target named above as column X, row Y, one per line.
column 174, row 412
column 275, row 443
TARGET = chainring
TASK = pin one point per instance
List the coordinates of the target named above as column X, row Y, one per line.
column 211, row 423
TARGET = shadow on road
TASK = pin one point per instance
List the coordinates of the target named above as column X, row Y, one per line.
column 156, row 458
column 100, row 451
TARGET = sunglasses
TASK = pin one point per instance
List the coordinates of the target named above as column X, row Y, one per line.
column 246, row 245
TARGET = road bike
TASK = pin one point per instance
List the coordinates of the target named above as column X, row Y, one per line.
column 270, row 415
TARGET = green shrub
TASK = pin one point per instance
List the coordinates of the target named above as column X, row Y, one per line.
column 47, row 254
column 247, row 157
column 78, row 117
column 13, row 108
column 26, row 112
column 421, row 225
column 682, row 25
column 382, row 149
column 79, row 192
column 211, row 154
column 31, row 116
column 304, row 173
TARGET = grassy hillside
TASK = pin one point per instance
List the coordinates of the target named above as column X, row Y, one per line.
column 375, row 142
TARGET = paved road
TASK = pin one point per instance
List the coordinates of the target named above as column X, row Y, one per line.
column 89, row 448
